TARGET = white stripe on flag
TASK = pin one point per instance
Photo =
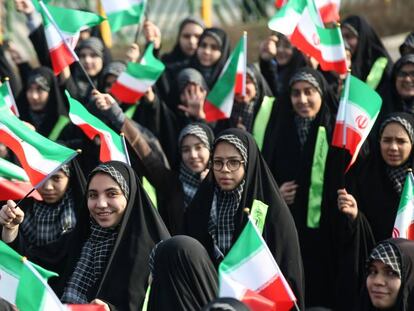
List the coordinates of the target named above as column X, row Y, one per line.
column 112, row 6
column 230, row 288
column 54, row 40
column 8, row 286
column 286, row 24
column 138, row 85
column 354, row 114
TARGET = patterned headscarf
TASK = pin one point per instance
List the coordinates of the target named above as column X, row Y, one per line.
column 388, row 254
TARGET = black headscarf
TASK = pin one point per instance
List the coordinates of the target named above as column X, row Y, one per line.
column 289, row 148
column 405, row 299
column 279, row 229
column 184, row 278
column 177, row 54
column 124, row 279
column 212, row 73
column 369, row 47
column 226, row 304
column 45, row 120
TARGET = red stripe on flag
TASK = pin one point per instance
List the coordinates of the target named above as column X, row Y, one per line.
column 16, row 190
column 86, row 307
column 105, row 152
column 329, row 13
column 124, row 93
column 352, row 140
column 61, row 57
column 238, row 87
column 302, row 44
column 213, row 113
column 280, row 3
column 277, row 292
column 34, row 176
column 257, row 302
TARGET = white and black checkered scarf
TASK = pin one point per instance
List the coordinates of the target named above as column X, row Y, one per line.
column 89, row 269
column 221, row 224
column 45, row 223
column 191, row 181
column 397, row 176
column 388, row 254
column 303, row 126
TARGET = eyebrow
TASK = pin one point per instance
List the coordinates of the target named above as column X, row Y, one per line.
column 228, row 158
column 107, row 189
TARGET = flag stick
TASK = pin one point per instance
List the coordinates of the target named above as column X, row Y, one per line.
column 245, row 63
column 125, row 148
column 25, row 197
column 139, row 28
column 72, row 52
column 296, row 306
column 344, row 102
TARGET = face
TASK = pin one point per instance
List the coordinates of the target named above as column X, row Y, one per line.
column 189, row 38
column 404, row 82
column 227, row 178
column 306, row 100
column 383, row 285
column 395, row 145
column 350, row 38
column 54, row 188
column 194, row 154
column 208, row 52
column 284, row 51
column 250, row 91
column 92, row 62
column 37, row 97
column 106, row 201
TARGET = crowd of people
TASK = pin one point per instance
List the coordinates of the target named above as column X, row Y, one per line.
column 109, row 241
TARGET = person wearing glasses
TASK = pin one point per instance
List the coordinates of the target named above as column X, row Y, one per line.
column 216, row 217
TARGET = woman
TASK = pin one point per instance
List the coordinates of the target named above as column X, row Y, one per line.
column 279, row 60
column 211, row 54
column 41, row 230
column 389, row 277
column 291, row 151
column 110, row 251
column 41, row 103
column 238, row 176
column 246, row 107
column 183, row 276
column 370, row 60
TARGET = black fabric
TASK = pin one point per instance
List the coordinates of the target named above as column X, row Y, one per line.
column 6, row 70
column 262, row 90
column 212, row 73
column 53, row 256
column 184, row 276
column 124, row 280
column 289, row 160
column 279, row 230
column 45, row 120
column 405, row 299
column 226, row 304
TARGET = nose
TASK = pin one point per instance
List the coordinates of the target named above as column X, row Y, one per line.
column 48, row 185
column 303, row 98
column 193, row 153
column 225, row 168
column 101, row 202
column 379, row 280
column 393, row 145
column 193, row 40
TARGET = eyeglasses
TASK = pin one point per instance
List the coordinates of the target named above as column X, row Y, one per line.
column 405, row 74
column 232, row 164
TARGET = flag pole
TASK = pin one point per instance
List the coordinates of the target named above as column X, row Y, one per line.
column 72, row 52
column 244, row 63
column 344, row 134
column 139, row 28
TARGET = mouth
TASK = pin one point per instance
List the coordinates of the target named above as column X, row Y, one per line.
column 104, row 214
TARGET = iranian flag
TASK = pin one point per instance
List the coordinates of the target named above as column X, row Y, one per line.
column 232, row 80
column 300, row 21
column 64, row 25
column 14, row 182
column 6, row 94
column 404, row 222
column 358, row 109
column 24, row 284
column 132, row 84
column 250, row 274
column 39, row 156
column 328, row 9
column 112, row 147
column 122, row 13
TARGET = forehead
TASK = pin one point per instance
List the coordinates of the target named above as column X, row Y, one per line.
column 59, row 173
column 87, row 51
column 209, row 40
column 225, row 149
column 407, row 67
column 301, row 85
column 190, row 140
column 101, row 181
column 191, row 28
column 394, row 129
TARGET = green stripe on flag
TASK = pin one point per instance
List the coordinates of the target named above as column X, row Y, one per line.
column 143, row 72
column 247, row 245
column 407, row 193
column 132, row 16
column 363, row 96
column 317, row 178
column 262, row 120
column 330, row 36
column 12, row 171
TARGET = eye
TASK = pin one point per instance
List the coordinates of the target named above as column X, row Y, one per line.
column 92, row 195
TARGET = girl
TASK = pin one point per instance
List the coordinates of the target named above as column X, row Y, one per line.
column 110, row 250
column 238, row 176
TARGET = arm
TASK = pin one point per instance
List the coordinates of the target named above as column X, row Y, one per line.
column 10, row 218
